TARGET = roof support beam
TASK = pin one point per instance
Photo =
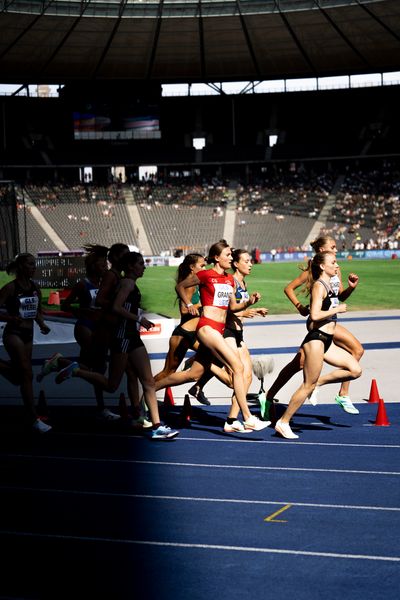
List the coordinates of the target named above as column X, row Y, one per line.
column 155, row 39
column 203, row 69
column 296, row 40
column 110, row 38
column 45, row 6
column 248, row 40
column 84, row 5
column 342, row 35
column 378, row 20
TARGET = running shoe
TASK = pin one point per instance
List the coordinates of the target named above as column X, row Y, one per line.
column 253, row 423
column 141, row 423
column 199, row 395
column 67, row 372
column 313, row 398
column 108, row 415
column 285, row 430
column 40, row 427
column 235, row 427
column 163, row 432
column 49, row 365
column 347, row 405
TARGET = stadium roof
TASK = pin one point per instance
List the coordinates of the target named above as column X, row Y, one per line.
column 56, row 41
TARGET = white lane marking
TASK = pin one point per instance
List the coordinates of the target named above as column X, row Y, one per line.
column 234, row 440
column 197, row 499
column 203, row 546
column 199, row 465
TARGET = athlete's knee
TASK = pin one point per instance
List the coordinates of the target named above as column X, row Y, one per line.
column 358, row 352
column 237, row 368
column 356, row 372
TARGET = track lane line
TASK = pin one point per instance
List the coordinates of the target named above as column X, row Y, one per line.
column 193, row 546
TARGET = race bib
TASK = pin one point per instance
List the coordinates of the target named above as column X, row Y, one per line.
column 222, row 294
column 334, row 302
column 93, row 294
column 28, row 307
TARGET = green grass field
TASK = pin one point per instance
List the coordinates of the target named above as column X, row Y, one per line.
column 379, row 286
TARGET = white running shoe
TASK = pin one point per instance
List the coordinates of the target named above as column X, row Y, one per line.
column 235, row 427
column 313, row 398
column 285, row 430
column 40, row 427
column 253, row 423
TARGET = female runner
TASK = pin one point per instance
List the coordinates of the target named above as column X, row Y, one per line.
column 318, row 345
column 184, row 335
column 22, row 300
column 343, row 337
column 126, row 346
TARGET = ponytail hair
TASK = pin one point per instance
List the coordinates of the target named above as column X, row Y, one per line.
column 18, row 262
column 94, row 252
column 115, row 251
column 314, row 269
column 184, row 268
column 320, row 242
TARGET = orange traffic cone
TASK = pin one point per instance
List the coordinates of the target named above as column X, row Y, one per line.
column 54, row 298
column 374, row 394
column 186, row 412
column 42, row 408
column 168, row 397
column 123, row 408
column 381, row 416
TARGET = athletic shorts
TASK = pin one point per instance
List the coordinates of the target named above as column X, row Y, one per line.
column 237, row 334
column 211, row 323
column 126, row 345
column 189, row 336
column 26, row 335
column 316, row 334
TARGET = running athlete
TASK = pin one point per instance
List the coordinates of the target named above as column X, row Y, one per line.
column 184, row 335
column 92, row 330
column 126, row 346
column 343, row 337
column 233, row 334
column 21, row 299
column 84, row 292
column 318, row 345
column 217, row 292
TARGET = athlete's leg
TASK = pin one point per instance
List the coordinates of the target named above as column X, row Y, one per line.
column 139, row 362
column 313, row 361
column 293, row 367
column 178, row 347
column 346, row 340
column 20, row 353
column 213, row 340
column 348, row 367
column 245, row 357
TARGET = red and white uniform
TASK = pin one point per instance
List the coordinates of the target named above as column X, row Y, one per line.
column 215, row 289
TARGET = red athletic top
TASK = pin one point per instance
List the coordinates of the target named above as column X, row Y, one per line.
column 215, row 289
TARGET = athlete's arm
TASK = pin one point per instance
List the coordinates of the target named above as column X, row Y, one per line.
column 183, row 290
column 352, row 281
column 291, row 294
